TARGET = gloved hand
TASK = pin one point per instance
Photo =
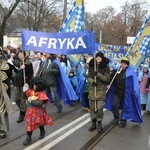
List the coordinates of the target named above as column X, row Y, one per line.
column 29, row 99
column 94, row 83
column 95, row 73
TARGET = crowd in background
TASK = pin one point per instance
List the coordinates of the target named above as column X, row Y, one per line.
column 29, row 64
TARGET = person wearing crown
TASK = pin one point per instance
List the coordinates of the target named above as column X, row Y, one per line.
column 125, row 90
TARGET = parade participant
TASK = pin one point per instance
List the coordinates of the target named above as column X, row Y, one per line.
column 25, row 73
column 147, row 89
column 84, row 85
column 125, row 91
column 143, row 78
column 74, row 83
column 50, row 71
column 7, row 71
column 5, row 102
column 58, row 85
column 36, row 116
column 98, row 80
column 65, row 64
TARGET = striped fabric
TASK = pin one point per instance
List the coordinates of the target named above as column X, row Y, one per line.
column 145, row 46
column 75, row 19
column 140, row 48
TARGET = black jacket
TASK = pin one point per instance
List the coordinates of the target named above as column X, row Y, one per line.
column 119, row 83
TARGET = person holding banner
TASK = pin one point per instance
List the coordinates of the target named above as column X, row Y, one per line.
column 24, row 75
column 50, row 71
column 98, row 77
column 124, row 94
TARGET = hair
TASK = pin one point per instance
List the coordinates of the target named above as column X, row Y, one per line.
column 39, row 82
column 21, row 51
column 64, row 59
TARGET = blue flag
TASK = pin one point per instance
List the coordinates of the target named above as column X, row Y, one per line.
column 59, row 43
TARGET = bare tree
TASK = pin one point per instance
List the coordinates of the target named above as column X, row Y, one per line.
column 5, row 14
column 37, row 14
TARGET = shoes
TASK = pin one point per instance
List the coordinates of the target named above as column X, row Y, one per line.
column 93, row 127
column 27, row 141
column 3, row 134
column 20, row 119
column 59, row 110
column 116, row 121
column 122, row 125
column 73, row 104
column 99, row 126
column 42, row 134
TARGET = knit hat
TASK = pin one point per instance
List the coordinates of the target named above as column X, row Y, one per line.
column 145, row 66
column 100, row 54
column 125, row 60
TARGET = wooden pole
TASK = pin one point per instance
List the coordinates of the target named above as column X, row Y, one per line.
column 95, row 86
column 114, row 78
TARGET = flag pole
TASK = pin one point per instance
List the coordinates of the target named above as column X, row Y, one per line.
column 95, row 86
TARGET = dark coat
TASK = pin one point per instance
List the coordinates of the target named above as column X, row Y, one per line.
column 102, row 78
column 119, row 83
column 18, row 81
column 50, row 72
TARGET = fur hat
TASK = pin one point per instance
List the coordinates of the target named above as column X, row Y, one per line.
column 125, row 60
column 99, row 54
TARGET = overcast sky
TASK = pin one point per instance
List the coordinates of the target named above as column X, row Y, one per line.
column 94, row 5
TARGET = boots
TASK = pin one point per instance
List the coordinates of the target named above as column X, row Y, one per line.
column 99, row 126
column 21, row 117
column 42, row 134
column 27, row 141
column 93, row 127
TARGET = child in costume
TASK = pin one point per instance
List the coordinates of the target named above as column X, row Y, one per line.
column 36, row 116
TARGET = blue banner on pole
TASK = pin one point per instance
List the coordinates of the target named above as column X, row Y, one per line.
column 59, row 43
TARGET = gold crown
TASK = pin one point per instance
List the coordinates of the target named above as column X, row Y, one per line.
column 125, row 58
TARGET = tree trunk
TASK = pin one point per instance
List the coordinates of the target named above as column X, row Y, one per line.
column 1, row 36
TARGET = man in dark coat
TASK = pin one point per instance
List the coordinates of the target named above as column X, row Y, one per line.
column 125, row 91
column 24, row 75
column 50, row 71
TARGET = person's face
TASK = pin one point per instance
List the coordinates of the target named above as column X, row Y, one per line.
column 124, row 65
column 98, row 59
column 145, row 69
column 63, row 56
column 111, row 68
column 21, row 56
column 48, row 55
column 71, row 74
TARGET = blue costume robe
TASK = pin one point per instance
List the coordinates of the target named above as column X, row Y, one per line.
column 131, row 107
column 64, row 87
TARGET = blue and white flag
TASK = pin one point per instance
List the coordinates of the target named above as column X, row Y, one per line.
column 59, row 43
column 145, row 46
column 75, row 18
column 140, row 48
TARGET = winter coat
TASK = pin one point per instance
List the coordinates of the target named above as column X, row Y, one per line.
column 50, row 72
column 102, row 78
column 18, row 80
column 119, row 82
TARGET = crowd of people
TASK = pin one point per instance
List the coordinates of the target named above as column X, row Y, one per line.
column 94, row 82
